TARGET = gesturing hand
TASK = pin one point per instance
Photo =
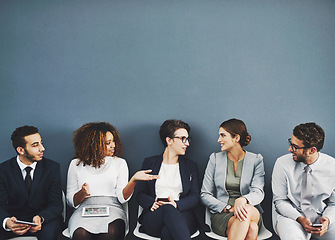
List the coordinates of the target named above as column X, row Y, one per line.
column 144, row 176
column 85, row 189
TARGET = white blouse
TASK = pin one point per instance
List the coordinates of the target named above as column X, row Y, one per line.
column 108, row 180
column 169, row 182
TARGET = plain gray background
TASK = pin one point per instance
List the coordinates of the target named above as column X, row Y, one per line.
column 136, row 63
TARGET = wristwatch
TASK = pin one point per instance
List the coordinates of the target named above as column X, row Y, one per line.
column 227, row 208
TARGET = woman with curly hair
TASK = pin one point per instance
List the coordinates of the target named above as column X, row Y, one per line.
column 99, row 176
column 233, row 183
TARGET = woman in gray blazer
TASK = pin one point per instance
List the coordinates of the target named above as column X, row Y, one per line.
column 233, row 183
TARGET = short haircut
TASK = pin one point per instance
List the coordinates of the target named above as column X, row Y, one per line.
column 20, row 133
column 90, row 144
column 311, row 135
column 237, row 127
column 169, row 127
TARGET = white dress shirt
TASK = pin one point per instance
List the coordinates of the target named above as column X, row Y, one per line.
column 286, row 186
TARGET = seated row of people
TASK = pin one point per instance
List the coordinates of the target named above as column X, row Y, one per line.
column 167, row 186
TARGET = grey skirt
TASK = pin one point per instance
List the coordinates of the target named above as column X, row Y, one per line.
column 97, row 225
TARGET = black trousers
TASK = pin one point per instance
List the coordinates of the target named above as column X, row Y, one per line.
column 169, row 223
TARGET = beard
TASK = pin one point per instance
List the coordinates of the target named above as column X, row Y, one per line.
column 29, row 156
column 301, row 157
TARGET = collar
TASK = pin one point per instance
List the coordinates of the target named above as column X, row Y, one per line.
column 315, row 164
column 23, row 166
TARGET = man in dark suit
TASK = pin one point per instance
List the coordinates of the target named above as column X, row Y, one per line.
column 30, row 189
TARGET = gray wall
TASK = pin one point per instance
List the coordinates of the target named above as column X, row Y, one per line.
column 136, row 63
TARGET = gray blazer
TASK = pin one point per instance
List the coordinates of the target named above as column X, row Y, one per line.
column 213, row 192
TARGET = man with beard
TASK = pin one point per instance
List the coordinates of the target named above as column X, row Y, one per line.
column 30, row 189
column 303, row 185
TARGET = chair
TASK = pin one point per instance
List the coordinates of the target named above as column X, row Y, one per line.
column 66, row 232
column 263, row 232
column 24, row 238
column 274, row 217
column 139, row 234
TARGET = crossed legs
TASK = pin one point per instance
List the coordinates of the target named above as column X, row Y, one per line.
column 247, row 229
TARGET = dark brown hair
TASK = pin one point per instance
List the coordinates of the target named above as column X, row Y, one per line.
column 169, row 127
column 90, row 144
column 311, row 135
column 20, row 133
column 237, row 127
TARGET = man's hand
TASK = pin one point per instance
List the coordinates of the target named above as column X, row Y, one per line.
column 321, row 230
column 318, row 231
column 17, row 228
column 37, row 219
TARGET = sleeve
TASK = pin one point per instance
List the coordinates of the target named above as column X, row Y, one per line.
column 144, row 199
column 192, row 197
column 256, row 191
column 282, row 204
column 121, row 181
column 329, row 211
column 208, row 188
column 54, row 204
column 72, row 183
column 3, row 196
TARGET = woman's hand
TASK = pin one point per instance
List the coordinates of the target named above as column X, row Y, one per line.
column 240, row 208
column 81, row 194
column 157, row 204
column 144, row 176
column 85, row 189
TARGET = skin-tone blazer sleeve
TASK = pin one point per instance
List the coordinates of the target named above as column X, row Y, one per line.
column 213, row 192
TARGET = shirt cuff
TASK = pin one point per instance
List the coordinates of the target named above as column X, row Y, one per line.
column 4, row 225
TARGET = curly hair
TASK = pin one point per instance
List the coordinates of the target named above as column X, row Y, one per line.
column 311, row 135
column 89, row 143
column 169, row 127
column 237, row 127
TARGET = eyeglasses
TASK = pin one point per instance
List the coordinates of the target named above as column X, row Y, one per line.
column 295, row 147
column 184, row 139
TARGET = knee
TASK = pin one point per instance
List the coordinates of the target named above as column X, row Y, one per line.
column 81, row 233
column 253, row 213
column 116, row 229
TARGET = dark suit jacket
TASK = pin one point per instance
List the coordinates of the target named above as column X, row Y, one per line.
column 189, row 177
column 45, row 198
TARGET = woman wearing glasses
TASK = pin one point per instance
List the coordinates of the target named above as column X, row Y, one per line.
column 168, row 201
column 99, row 177
column 233, row 183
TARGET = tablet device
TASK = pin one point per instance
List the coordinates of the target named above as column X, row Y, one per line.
column 95, row 211
column 28, row 223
